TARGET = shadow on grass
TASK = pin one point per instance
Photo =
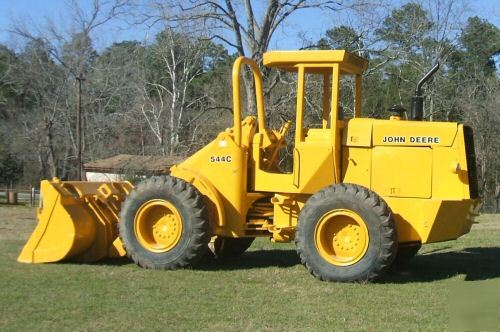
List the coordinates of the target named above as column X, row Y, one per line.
column 116, row 261
column 249, row 260
column 252, row 260
column 474, row 263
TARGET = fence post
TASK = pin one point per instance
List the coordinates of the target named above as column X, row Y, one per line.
column 13, row 197
column 32, row 196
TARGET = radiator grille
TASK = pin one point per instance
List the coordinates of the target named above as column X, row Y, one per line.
column 471, row 162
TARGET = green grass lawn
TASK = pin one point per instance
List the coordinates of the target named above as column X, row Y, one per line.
column 266, row 289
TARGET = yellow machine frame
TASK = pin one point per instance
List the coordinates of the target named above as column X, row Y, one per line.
column 432, row 189
column 423, row 170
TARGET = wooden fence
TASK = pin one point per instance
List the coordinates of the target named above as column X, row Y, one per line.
column 28, row 196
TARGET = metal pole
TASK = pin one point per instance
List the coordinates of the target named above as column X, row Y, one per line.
column 79, row 78
column 32, row 196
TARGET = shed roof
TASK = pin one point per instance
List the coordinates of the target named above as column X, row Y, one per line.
column 125, row 163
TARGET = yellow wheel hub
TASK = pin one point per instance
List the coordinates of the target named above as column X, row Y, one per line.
column 341, row 237
column 158, row 225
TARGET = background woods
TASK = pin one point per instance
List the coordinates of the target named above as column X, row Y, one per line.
column 171, row 94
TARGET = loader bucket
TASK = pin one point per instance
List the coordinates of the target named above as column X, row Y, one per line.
column 77, row 221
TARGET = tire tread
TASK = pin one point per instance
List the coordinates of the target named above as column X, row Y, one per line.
column 193, row 206
column 386, row 226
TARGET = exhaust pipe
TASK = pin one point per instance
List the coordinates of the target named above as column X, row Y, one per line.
column 417, row 102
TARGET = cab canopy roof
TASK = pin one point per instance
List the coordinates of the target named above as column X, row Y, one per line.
column 316, row 59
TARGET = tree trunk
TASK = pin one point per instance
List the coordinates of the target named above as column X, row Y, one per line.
column 43, row 168
column 497, row 197
column 51, row 158
column 251, row 108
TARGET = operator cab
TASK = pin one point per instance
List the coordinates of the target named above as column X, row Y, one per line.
column 318, row 142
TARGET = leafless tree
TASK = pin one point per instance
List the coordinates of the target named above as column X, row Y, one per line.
column 71, row 49
column 482, row 112
column 246, row 26
column 170, row 103
column 42, row 85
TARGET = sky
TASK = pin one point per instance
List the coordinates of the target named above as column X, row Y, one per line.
column 307, row 24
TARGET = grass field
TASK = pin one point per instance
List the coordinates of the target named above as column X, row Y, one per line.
column 266, row 289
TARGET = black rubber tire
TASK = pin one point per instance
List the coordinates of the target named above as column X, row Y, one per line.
column 382, row 245
column 231, row 248
column 195, row 235
column 406, row 252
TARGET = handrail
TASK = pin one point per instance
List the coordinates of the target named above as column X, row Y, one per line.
column 237, row 96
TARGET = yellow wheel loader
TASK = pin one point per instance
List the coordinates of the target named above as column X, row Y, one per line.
column 361, row 192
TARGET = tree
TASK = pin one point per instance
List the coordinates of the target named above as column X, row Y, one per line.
column 9, row 92
column 248, row 27
column 170, row 103
column 11, row 169
column 479, row 89
column 414, row 40
column 71, row 53
column 343, row 38
column 481, row 41
column 111, row 123
column 406, row 27
column 43, row 85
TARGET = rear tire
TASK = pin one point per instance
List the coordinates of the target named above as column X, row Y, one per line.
column 163, row 224
column 346, row 233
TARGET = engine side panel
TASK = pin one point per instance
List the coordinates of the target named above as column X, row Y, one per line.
column 421, row 169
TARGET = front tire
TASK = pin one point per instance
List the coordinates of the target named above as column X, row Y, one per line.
column 346, row 233
column 163, row 224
